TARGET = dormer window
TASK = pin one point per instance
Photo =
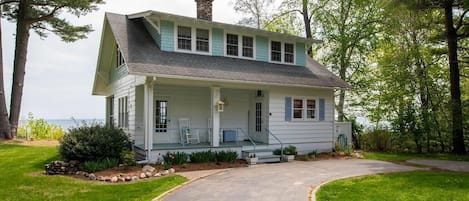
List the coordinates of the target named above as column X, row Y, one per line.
column 282, row 52
column 276, row 51
column 202, row 36
column 184, row 38
column 289, row 53
column 248, row 46
column 119, row 59
column 232, row 44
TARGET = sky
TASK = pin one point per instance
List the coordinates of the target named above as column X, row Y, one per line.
column 59, row 76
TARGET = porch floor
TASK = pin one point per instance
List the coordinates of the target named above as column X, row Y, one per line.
column 166, row 146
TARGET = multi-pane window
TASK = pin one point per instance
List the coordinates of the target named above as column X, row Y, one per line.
column 161, row 123
column 111, row 111
column 123, row 119
column 298, row 108
column 248, row 46
column 310, row 108
column 259, row 117
column 120, row 58
column 184, row 38
column 276, row 51
column 232, row 44
column 202, row 40
column 289, row 53
column 302, row 107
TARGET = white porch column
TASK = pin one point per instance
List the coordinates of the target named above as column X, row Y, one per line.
column 148, row 116
column 215, row 97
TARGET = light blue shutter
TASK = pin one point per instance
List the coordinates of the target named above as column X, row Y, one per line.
column 287, row 108
column 322, row 109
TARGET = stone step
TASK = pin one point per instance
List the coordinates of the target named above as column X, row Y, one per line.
column 257, row 152
column 269, row 159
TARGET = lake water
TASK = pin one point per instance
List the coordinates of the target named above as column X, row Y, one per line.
column 70, row 123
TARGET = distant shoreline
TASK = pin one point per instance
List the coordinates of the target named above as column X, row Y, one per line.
column 69, row 123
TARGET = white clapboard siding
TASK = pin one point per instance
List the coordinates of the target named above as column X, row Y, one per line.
column 295, row 132
column 235, row 114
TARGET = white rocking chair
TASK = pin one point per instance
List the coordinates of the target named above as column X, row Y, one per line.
column 191, row 135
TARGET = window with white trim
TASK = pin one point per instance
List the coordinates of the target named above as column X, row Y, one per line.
column 289, row 53
column 304, row 108
column 184, row 38
column 276, row 51
column 248, row 46
column 123, row 112
column 120, row 59
column 202, row 40
column 232, row 44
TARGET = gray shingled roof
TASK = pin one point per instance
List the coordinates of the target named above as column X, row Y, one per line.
column 143, row 57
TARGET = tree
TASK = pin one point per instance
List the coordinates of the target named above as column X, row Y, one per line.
column 349, row 29
column 4, row 123
column 42, row 16
column 256, row 12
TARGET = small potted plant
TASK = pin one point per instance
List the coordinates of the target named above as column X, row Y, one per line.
column 289, row 153
column 252, row 159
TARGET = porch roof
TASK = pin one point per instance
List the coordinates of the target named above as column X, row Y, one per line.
column 143, row 57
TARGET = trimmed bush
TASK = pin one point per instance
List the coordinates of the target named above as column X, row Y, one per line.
column 94, row 166
column 226, row 156
column 128, row 158
column 177, row 158
column 290, row 150
column 94, row 143
column 203, row 157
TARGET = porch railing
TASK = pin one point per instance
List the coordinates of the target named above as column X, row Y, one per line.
column 276, row 138
column 240, row 130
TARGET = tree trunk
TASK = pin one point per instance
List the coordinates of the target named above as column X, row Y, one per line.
column 456, row 109
column 21, row 50
column 307, row 20
column 4, row 123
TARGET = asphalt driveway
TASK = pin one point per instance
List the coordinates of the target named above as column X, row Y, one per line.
column 281, row 181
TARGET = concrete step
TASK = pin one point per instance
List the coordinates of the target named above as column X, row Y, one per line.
column 269, row 159
column 257, row 152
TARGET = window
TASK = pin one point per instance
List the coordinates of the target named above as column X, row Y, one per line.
column 202, row 40
column 289, row 53
column 184, row 38
column 311, row 109
column 232, row 44
column 123, row 121
column 111, row 111
column 120, row 59
column 161, row 116
column 276, row 51
column 248, row 46
column 298, row 108
column 258, row 117
column 302, row 106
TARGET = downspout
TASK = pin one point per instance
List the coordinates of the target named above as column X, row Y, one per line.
column 333, row 119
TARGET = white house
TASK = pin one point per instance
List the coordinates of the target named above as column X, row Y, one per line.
column 177, row 83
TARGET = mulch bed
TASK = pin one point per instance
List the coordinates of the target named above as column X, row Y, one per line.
column 322, row 156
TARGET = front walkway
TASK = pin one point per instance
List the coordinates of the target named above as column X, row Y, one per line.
column 456, row 166
column 282, row 181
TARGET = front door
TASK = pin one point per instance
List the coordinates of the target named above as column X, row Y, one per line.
column 161, row 121
column 258, row 121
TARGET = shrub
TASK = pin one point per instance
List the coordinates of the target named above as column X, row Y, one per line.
column 202, row 157
column 376, row 140
column 128, row 158
column 94, row 166
column 177, row 158
column 226, row 156
column 290, row 150
column 39, row 129
column 94, row 143
column 313, row 154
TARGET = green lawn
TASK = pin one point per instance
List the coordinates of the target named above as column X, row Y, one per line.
column 412, row 186
column 21, row 179
column 407, row 156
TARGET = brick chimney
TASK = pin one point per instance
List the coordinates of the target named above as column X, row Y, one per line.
column 204, row 9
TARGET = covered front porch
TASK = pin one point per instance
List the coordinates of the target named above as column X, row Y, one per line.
column 182, row 116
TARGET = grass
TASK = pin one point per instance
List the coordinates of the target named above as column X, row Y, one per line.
column 393, row 157
column 412, row 186
column 22, row 179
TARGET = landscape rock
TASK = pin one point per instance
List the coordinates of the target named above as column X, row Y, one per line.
column 148, row 174
column 148, row 168
column 128, row 178
column 114, row 179
column 85, row 174
column 107, row 178
column 157, row 174
column 61, row 167
column 134, row 178
column 100, row 178
column 143, row 175
column 166, row 172
column 172, row 171
column 92, row 177
column 122, row 179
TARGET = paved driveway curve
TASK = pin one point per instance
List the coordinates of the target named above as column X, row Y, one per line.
column 282, row 181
